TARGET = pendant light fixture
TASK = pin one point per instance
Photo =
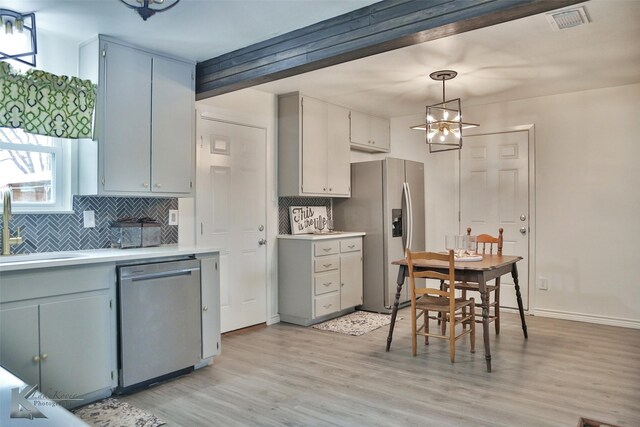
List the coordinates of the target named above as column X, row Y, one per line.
column 18, row 37
column 147, row 8
column 444, row 120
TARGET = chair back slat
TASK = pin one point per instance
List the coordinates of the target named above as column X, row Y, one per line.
column 413, row 257
column 482, row 240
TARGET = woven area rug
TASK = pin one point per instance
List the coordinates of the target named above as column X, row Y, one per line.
column 114, row 413
column 356, row 323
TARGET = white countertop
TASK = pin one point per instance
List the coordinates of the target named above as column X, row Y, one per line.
column 94, row 256
column 322, row 236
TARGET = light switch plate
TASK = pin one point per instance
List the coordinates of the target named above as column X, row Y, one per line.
column 89, row 219
column 173, row 217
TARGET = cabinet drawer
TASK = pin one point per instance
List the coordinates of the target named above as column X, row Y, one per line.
column 327, row 247
column 327, row 304
column 325, row 283
column 326, row 264
column 350, row 245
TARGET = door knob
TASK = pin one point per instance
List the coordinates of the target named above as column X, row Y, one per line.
column 523, row 217
column 262, row 242
column 261, row 227
column 523, row 230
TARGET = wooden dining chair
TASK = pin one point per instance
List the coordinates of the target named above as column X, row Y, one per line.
column 486, row 242
column 443, row 302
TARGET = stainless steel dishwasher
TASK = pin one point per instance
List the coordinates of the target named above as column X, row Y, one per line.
column 159, row 321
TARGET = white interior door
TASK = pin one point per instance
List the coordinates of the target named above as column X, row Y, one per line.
column 231, row 215
column 494, row 193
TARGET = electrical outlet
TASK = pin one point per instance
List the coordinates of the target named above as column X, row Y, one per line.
column 173, row 217
column 543, row 284
column 89, row 219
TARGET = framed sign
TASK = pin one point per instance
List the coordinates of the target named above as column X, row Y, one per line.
column 307, row 219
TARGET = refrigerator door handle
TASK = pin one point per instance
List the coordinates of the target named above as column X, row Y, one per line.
column 405, row 216
column 410, row 231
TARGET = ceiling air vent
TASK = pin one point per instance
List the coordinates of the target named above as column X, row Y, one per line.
column 568, row 18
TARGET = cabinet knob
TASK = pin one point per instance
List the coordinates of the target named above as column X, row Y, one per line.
column 205, row 308
column 36, row 359
column 158, row 185
column 324, row 188
column 145, row 184
column 44, row 356
column 330, row 189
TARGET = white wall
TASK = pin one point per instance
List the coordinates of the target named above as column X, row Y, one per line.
column 56, row 54
column 256, row 108
column 588, row 192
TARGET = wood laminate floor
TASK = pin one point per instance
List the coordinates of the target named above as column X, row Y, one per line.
column 294, row 376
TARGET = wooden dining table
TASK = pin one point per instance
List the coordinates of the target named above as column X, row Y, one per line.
column 489, row 268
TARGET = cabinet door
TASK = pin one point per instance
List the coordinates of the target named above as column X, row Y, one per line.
column 338, row 156
column 172, row 119
column 75, row 346
column 350, row 280
column 314, row 146
column 360, row 132
column 19, row 343
column 380, row 133
column 210, row 294
column 126, row 145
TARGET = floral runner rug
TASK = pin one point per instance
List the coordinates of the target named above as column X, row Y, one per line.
column 356, row 323
column 114, row 413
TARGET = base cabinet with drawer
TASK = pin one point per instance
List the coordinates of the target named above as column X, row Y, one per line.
column 318, row 278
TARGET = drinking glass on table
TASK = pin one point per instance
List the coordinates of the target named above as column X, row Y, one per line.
column 471, row 245
column 450, row 242
column 461, row 245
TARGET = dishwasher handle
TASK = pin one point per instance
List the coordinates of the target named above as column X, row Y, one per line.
column 162, row 274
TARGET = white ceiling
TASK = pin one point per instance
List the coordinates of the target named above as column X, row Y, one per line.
column 518, row 59
column 513, row 60
column 193, row 29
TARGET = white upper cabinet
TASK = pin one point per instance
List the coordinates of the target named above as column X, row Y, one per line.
column 145, row 118
column 369, row 133
column 313, row 148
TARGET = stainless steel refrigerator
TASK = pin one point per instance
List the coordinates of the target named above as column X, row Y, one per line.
column 387, row 202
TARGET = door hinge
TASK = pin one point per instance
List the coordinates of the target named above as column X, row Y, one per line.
column 216, row 265
column 459, row 217
column 218, row 346
column 193, row 76
column 102, row 179
column 201, row 229
column 104, row 53
column 110, row 303
column 190, row 184
column 112, row 374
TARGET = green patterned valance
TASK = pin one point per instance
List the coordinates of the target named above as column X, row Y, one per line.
column 45, row 104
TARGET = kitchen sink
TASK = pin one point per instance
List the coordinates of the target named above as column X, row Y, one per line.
column 43, row 256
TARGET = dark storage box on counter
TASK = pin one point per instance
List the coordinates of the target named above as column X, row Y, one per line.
column 126, row 234
column 151, row 232
column 135, row 233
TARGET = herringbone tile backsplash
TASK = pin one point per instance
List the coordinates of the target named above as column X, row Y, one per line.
column 65, row 232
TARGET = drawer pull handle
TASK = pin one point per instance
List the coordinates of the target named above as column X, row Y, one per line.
column 327, row 305
column 327, row 265
column 327, row 284
column 326, row 249
column 351, row 246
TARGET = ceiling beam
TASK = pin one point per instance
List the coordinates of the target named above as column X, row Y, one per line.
column 380, row 27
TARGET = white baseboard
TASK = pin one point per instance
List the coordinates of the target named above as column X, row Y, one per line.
column 589, row 318
column 273, row 320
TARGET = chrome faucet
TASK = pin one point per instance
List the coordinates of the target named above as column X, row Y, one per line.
column 7, row 240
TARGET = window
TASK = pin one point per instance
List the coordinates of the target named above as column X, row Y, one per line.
column 38, row 169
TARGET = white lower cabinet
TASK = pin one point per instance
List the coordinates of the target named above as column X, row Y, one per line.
column 58, row 330
column 318, row 279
